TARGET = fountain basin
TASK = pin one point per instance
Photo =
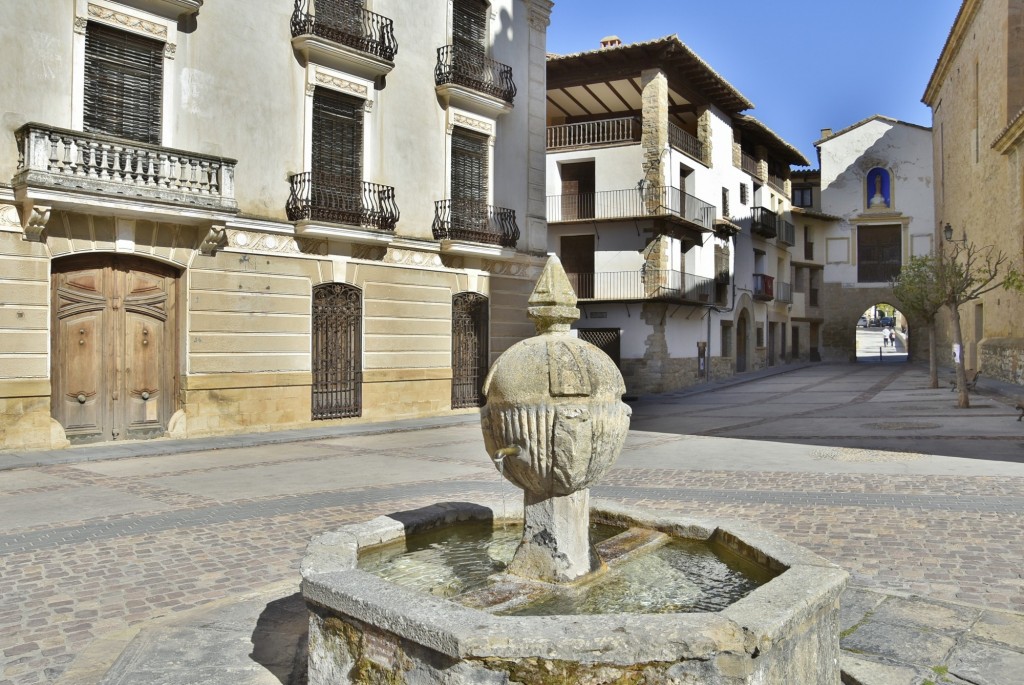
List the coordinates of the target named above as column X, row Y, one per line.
column 365, row 629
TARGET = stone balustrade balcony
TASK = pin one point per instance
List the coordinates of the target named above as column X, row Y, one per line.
column 64, row 168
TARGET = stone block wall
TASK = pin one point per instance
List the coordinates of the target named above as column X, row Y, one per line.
column 1003, row 358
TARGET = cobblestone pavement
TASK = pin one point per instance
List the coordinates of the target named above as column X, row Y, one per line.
column 92, row 548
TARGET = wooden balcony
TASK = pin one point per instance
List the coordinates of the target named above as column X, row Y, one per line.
column 642, row 285
column 600, row 133
column 764, row 222
column 687, row 143
column 749, row 164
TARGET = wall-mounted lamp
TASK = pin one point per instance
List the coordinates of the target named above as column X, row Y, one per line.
column 948, row 233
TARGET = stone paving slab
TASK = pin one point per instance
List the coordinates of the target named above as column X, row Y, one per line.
column 944, row 529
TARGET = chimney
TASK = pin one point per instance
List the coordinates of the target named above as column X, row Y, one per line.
column 825, row 133
column 610, row 41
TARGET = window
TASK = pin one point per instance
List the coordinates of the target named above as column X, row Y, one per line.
column 803, row 196
column 725, row 203
column 123, row 84
column 760, row 337
column 469, row 167
column 879, row 253
column 744, row 194
column 469, row 22
column 337, row 162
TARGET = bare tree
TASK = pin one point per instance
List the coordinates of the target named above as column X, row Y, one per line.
column 917, row 289
column 964, row 273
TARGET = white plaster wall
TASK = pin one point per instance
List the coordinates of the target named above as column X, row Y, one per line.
column 906, row 151
column 615, row 168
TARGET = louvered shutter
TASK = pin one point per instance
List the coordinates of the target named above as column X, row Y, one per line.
column 338, row 152
column 123, row 84
column 469, row 18
column 469, row 167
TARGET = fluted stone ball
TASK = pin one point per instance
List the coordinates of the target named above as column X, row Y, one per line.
column 555, row 411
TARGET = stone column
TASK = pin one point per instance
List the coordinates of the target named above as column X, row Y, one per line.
column 737, row 149
column 704, row 134
column 654, row 130
column 761, row 153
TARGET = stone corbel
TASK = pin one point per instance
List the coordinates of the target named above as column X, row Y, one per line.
column 216, row 238
column 33, row 220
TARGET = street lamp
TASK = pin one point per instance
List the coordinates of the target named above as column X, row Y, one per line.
column 948, row 233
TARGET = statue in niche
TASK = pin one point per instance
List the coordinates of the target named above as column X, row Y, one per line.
column 880, row 199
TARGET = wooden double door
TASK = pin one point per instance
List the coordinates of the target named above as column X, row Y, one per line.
column 114, row 347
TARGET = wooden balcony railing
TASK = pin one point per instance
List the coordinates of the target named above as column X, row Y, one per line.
column 645, row 284
column 764, row 287
column 341, row 200
column 783, row 292
column 118, row 168
column 359, row 29
column 787, row 232
column 686, row 142
column 631, row 204
column 764, row 222
column 777, row 182
column 475, row 222
column 469, row 68
column 594, row 133
column 748, row 163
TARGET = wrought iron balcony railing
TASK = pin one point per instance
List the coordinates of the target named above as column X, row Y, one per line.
column 115, row 167
column 764, row 222
column 592, row 133
column 337, row 199
column 686, row 142
column 764, row 287
column 787, row 232
column 645, row 284
column 783, row 292
column 359, row 29
column 631, row 204
column 475, row 222
column 470, row 68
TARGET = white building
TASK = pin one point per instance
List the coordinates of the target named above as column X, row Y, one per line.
column 876, row 189
column 667, row 206
column 230, row 215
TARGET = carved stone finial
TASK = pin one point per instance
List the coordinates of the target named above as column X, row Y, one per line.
column 552, row 305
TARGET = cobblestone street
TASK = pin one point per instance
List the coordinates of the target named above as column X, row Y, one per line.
column 862, row 464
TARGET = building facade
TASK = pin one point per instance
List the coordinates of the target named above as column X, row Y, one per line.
column 976, row 94
column 876, row 211
column 232, row 216
column 668, row 207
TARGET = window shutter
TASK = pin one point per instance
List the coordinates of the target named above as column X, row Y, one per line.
column 469, row 167
column 123, row 84
column 469, row 19
column 337, row 139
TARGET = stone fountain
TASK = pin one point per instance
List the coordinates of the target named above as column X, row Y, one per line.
column 553, row 424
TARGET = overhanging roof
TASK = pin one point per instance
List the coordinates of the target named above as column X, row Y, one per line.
column 760, row 133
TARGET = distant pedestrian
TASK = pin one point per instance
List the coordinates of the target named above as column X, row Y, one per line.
column 892, row 337
column 885, row 336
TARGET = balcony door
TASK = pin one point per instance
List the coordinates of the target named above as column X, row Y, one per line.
column 469, row 40
column 577, row 256
column 114, row 347
column 469, row 183
column 337, row 172
column 577, row 190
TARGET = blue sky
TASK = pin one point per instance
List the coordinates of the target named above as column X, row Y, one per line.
column 805, row 64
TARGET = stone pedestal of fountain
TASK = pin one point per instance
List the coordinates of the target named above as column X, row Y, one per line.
column 553, row 424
